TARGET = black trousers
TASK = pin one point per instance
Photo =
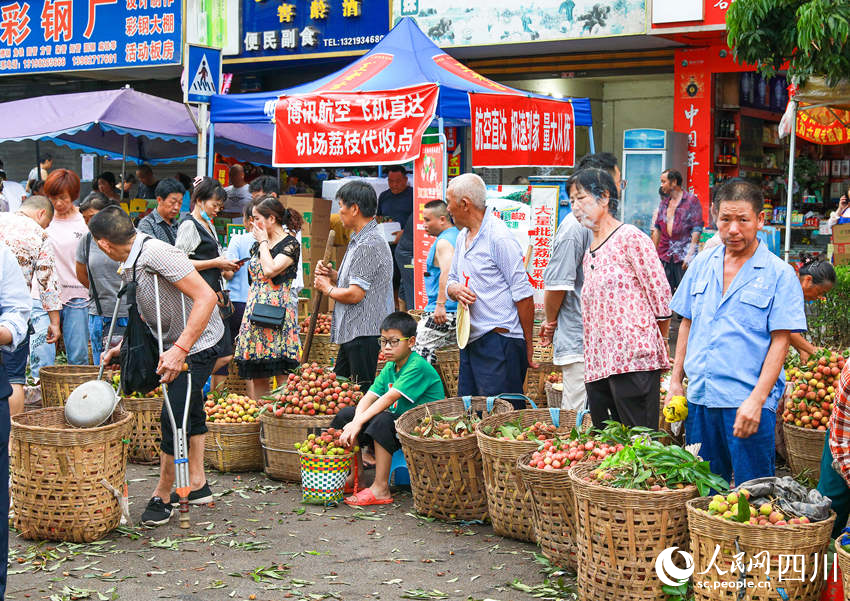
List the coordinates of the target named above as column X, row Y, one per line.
column 632, row 399
column 5, row 427
column 674, row 272
column 380, row 429
column 358, row 359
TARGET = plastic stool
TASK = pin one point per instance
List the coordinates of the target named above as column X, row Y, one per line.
column 402, row 478
column 207, row 387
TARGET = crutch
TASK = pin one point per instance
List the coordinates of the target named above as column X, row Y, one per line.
column 181, row 447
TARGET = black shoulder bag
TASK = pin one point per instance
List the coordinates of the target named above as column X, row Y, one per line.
column 140, row 350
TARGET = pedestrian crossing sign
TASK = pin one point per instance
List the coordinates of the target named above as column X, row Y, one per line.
column 202, row 72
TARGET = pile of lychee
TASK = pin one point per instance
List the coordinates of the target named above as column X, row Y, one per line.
column 326, row 443
column 555, row 377
column 814, row 392
column 563, row 454
column 323, row 324
column 231, row 409
column 315, row 390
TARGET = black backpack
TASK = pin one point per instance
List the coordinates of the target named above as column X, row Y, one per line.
column 140, row 350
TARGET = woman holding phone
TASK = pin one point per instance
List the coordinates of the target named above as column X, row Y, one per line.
column 841, row 215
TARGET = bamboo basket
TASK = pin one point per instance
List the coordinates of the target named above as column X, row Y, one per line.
column 710, row 532
column 323, row 351
column 448, row 366
column 553, row 395
column 57, row 472
column 446, row 476
column 233, row 383
column 509, row 507
column 805, row 449
column 147, row 429
column 233, row 447
column 620, row 535
column 535, row 382
column 278, row 436
column 57, row 381
column 843, row 559
column 553, row 511
column 542, row 354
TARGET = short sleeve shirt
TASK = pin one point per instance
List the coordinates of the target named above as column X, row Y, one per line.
column 730, row 333
column 396, row 206
column 172, row 265
column 417, row 381
column 103, row 275
column 368, row 263
column 686, row 221
column 565, row 273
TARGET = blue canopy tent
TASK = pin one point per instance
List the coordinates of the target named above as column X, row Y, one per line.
column 405, row 57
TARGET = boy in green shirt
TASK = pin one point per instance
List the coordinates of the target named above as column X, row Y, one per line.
column 407, row 380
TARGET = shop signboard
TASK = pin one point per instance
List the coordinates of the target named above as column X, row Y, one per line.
column 310, row 28
column 530, row 212
column 39, row 36
column 451, row 24
column 517, row 131
column 325, row 129
column 427, row 186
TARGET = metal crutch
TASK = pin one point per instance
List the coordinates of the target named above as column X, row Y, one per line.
column 181, row 447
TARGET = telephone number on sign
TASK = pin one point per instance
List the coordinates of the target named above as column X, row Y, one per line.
column 354, row 41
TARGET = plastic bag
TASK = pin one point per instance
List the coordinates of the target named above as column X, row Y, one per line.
column 790, row 496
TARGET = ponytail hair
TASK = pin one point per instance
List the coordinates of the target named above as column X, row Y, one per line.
column 817, row 268
column 269, row 206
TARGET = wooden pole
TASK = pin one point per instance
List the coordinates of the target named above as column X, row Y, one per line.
column 317, row 301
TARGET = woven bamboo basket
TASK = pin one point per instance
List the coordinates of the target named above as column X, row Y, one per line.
column 805, row 449
column 323, row 351
column 57, row 381
column 147, row 430
column 233, row 383
column 57, row 471
column 509, row 507
column 446, row 476
column 843, row 559
column 448, row 366
column 278, row 436
column 233, row 447
column 535, row 382
column 620, row 535
column 542, row 354
column 709, row 533
column 553, row 395
column 553, row 511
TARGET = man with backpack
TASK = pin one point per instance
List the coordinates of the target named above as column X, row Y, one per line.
column 195, row 341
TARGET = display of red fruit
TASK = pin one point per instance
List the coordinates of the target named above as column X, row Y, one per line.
column 313, row 390
column 323, row 324
column 815, row 388
column 563, row 454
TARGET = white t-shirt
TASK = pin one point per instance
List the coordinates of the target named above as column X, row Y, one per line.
column 13, row 193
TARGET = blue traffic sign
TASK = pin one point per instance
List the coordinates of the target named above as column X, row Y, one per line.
column 203, row 73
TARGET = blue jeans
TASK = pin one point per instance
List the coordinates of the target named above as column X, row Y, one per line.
column 75, row 333
column 746, row 458
column 98, row 329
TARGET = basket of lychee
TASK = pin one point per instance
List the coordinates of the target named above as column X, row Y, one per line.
column 233, row 440
column 322, row 350
column 554, row 387
column 807, row 413
column 767, row 531
column 325, row 465
column 313, row 391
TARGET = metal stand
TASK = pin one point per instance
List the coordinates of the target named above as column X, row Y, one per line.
column 181, row 446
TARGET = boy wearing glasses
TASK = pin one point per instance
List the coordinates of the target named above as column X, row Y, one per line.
column 407, row 380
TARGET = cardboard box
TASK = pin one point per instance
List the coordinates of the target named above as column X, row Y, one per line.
column 841, row 233
column 841, row 253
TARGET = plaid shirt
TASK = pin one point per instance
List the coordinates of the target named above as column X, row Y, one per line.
column 839, row 426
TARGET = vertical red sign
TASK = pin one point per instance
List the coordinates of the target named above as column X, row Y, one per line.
column 427, row 186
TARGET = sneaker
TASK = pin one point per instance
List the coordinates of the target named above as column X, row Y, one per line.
column 202, row 496
column 156, row 513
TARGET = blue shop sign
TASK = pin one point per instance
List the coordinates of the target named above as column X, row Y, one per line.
column 38, row 36
column 311, row 28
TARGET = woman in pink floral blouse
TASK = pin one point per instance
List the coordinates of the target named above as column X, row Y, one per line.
column 625, row 309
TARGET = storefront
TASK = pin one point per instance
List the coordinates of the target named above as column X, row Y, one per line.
column 731, row 115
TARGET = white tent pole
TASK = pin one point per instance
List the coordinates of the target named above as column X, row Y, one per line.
column 790, row 201
column 123, row 166
column 211, row 151
column 590, row 139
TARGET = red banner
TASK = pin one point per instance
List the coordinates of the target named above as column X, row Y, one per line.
column 359, row 73
column 352, row 128
column 821, row 127
column 517, row 131
column 427, row 186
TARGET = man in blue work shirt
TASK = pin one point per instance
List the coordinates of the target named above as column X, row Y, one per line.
column 739, row 305
column 15, row 305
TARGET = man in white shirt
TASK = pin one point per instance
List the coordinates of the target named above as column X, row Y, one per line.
column 238, row 194
column 13, row 194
